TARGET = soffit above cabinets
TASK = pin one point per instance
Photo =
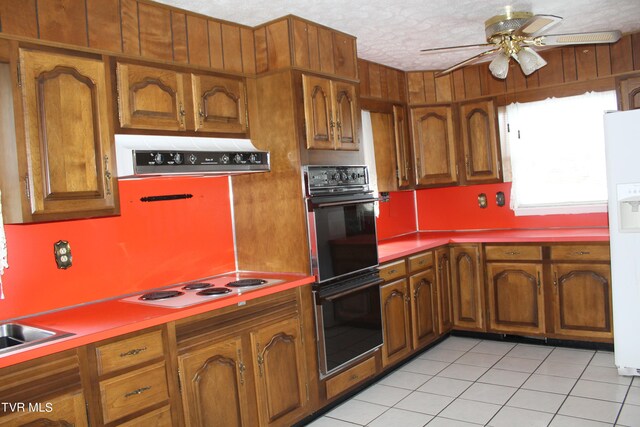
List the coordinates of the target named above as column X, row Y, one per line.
column 393, row 32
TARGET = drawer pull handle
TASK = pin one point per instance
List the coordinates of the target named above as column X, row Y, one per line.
column 512, row 253
column 354, row 377
column 421, row 262
column 393, row 271
column 582, row 253
column 133, row 352
column 138, row 391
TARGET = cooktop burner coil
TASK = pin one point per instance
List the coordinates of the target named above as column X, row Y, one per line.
column 158, row 295
column 196, row 285
column 214, row 291
column 246, row 283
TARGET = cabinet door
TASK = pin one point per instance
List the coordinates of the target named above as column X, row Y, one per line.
column 150, row 98
column 280, row 371
column 385, row 152
column 346, row 115
column 467, row 289
column 434, row 145
column 582, row 300
column 478, row 122
column 69, row 145
column 515, row 298
column 445, row 311
column 396, row 323
column 424, row 307
column 318, row 115
column 62, row 411
column 219, row 104
column 629, row 93
column 213, row 385
column 403, row 146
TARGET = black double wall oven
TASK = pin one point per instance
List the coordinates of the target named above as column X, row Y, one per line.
column 344, row 258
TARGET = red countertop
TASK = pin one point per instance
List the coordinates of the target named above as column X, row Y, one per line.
column 401, row 246
column 106, row 319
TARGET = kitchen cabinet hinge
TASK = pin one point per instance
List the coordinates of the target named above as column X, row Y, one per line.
column 27, row 189
column 246, row 109
column 19, row 76
column 301, row 333
column 307, row 388
column 179, row 382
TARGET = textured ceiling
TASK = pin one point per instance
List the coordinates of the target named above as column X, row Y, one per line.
column 392, row 32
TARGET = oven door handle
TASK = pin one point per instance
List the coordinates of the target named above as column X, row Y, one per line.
column 341, row 293
column 344, row 203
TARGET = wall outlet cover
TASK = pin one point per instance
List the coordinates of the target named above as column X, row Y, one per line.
column 62, row 253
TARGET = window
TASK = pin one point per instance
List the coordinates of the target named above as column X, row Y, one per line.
column 553, row 152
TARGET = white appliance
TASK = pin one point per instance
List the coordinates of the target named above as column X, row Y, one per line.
column 622, row 143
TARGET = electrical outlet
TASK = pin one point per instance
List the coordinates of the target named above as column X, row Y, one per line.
column 482, row 200
column 62, row 252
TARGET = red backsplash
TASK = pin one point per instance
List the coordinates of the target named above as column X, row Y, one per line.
column 397, row 216
column 456, row 208
column 149, row 245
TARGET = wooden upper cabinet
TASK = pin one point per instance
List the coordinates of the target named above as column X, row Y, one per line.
column 219, row 104
column 318, row 114
column 280, row 373
column 467, row 287
column 150, row 98
column 480, row 143
column 515, row 298
column 330, row 113
column 70, row 164
column 629, row 93
column 403, row 146
column 213, row 382
column 582, row 300
column 384, row 147
column 434, row 145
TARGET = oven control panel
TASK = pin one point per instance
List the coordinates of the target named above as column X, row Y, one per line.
column 336, row 178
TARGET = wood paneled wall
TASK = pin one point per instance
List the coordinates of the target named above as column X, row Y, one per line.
column 295, row 42
column 134, row 27
column 380, row 82
column 565, row 66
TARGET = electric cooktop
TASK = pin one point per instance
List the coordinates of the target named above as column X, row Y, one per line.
column 201, row 291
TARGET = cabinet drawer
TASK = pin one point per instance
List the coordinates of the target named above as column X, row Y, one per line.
column 393, row 270
column 420, row 261
column 350, row 377
column 533, row 253
column 129, row 352
column 580, row 252
column 133, row 391
column 158, row 418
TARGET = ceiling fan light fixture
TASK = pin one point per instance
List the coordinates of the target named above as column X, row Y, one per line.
column 499, row 67
column 529, row 60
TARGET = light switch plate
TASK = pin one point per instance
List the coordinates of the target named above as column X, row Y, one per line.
column 62, row 253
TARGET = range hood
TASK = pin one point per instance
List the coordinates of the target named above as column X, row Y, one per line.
column 140, row 156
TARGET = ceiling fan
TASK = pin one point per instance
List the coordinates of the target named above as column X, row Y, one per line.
column 515, row 34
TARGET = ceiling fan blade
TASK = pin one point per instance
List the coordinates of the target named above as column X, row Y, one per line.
column 537, row 24
column 578, row 38
column 467, row 61
column 437, row 49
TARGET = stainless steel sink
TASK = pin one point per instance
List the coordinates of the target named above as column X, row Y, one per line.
column 14, row 336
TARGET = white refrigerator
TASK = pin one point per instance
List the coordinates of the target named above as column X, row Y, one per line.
column 622, row 145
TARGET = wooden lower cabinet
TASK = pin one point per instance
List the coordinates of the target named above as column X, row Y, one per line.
column 214, row 390
column 396, row 321
column 280, row 372
column 443, row 279
column 582, row 300
column 467, row 287
column 424, row 308
column 50, row 390
column 515, row 298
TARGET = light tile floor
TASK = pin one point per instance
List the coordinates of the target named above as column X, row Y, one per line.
column 470, row 382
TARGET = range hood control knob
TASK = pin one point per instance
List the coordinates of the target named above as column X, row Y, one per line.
column 192, row 159
column 177, row 158
column 237, row 158
column 224, row 159
column 158, row 158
